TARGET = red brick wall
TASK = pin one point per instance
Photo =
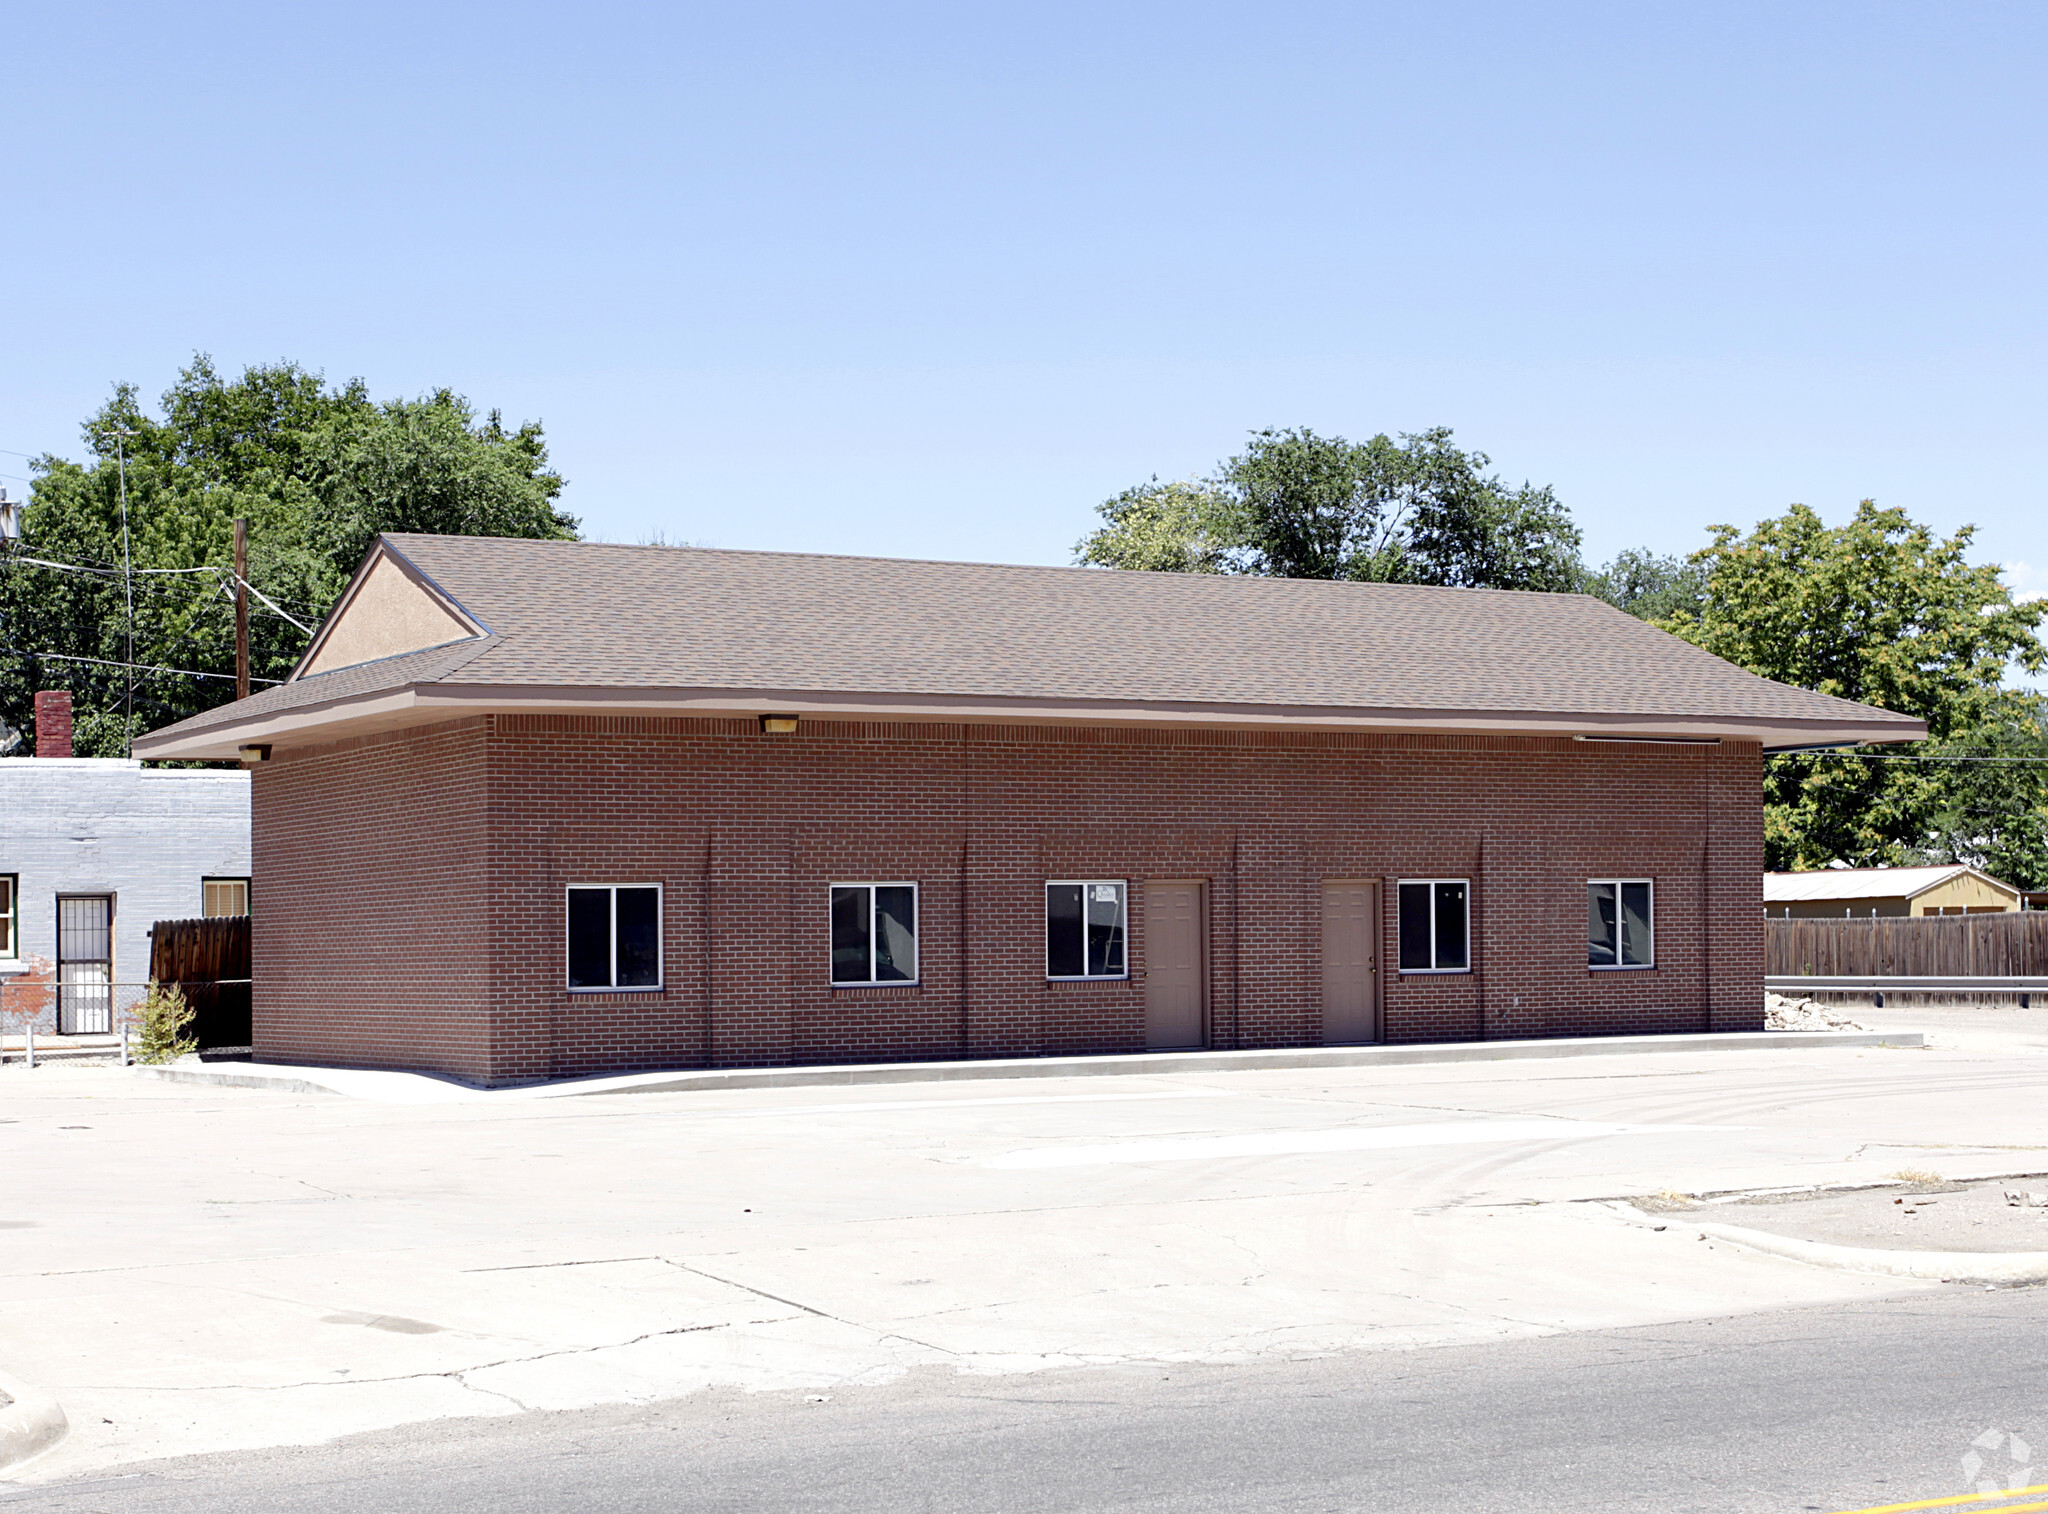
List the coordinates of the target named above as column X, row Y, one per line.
column 410, row 887
column 371, row 931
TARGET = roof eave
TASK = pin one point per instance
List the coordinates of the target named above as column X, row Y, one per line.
column 424, row 703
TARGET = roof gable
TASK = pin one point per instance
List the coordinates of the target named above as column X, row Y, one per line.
column 389, row 608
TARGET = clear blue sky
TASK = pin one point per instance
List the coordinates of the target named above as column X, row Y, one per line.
column 934, row 280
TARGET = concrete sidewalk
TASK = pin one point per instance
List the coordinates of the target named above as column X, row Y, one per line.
column 207, row 1267
column 427, row 1088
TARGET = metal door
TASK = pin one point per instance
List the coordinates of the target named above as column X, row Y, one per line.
column 85, row 964
column 1351, row 1001
column 1174, row 976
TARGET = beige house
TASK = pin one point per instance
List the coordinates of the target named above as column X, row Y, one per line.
column 1953, row 889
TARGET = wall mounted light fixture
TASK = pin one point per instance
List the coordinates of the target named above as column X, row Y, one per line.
column 778, row 725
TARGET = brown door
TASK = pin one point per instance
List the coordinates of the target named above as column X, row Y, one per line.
column 1351, row 1000
column 1173, row 965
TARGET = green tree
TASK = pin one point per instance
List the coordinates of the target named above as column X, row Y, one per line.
column 1882, row 612
column 1188, row 526
column 315, row 471
column 1295, row 504
column 1647, row 586
column 1991, row 806
column 1468, row 529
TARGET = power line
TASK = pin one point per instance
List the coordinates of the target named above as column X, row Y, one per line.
column 106, row 572
column 114, row 572
column 141, row 667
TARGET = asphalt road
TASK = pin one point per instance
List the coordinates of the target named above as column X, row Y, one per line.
column 1826, row 1408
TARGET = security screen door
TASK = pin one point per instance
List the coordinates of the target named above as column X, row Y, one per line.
column 1351, row 1009
column 85, row 964
column 1173, row 965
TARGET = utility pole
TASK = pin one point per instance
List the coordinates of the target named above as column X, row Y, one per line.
column 128, row 589
column 241, row 609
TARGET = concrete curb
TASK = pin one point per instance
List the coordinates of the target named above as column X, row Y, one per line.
column 29, row 1426
column 2008, row 1269
column 2002, row 1269
column 422, row 1087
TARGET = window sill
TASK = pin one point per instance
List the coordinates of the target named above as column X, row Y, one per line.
column 1621, row 967
column 868, row 988
column 1098, row 978
column 639, row 988
column 1434, row 972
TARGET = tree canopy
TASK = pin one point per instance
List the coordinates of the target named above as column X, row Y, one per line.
column 1884, row 612
column 1879, row 610
column 1295, row 504
column 316, row 471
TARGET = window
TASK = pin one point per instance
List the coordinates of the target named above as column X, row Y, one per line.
column 1435, row 921
column 10, row 917
column 615, row 936
column 1084, row 929
column 1618, row 924
column 224, row 896
column 874, row 933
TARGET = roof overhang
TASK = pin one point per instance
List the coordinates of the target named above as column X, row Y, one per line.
column 430, row 703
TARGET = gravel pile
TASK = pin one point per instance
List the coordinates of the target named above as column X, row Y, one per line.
column 1781, row 1013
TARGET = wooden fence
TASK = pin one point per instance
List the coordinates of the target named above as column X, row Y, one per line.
column 1909, row 946
column 209, row 960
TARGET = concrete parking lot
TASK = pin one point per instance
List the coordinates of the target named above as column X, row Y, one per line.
column 194, row 1269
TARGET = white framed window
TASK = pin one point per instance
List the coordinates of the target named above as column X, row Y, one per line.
column 1085, row 928
column 10, row 917
column 1435, row 929
column 223, row 896
column 874, row 933
column 614, row 932
column 1621, row 922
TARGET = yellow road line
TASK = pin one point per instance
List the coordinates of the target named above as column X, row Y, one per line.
column 1962, row 1498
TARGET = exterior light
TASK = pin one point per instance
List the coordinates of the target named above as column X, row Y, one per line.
column 10, row 518
column 251, row 755
column 778, row 725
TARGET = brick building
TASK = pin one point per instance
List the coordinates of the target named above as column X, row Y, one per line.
column 546, row 809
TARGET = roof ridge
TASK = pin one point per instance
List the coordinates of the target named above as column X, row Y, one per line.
column 1009, row 567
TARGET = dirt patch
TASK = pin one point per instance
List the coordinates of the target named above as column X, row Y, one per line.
column 1781, row 1013
column 1933, row 1217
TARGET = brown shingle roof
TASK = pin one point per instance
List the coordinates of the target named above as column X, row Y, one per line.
column 591, row 616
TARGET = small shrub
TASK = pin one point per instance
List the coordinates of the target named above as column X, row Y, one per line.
column 1917, row 1175
column 162, row 1020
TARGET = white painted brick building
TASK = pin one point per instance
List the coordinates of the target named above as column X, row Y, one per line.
column 123, row 846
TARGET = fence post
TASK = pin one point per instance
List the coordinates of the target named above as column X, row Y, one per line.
column 124, row 1044
column 29, row 1029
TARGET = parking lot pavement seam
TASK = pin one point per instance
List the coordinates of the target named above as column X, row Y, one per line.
column 455, row 1374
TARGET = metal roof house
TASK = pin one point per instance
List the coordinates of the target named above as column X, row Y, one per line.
column 1948, row 889
column 537, row 809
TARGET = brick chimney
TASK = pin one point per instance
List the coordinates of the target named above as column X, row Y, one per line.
column 53, row 723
